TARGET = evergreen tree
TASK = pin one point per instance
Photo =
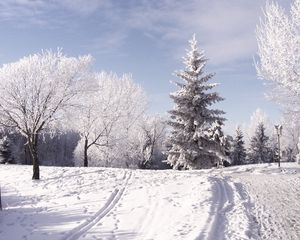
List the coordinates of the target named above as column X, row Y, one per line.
column 191, row 119
column 259, row 151
column 239, row 151
column 223, row 144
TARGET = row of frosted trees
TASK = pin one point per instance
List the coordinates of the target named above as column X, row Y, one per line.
column 51, row 104
column 55, row 111
column 49, row 94
column 262, row 148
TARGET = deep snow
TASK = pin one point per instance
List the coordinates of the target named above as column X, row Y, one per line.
column 246, row 202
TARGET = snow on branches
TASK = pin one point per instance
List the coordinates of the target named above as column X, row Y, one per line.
column 36, row 90
column 278, row 38
column 105, row 115
column 192, row 119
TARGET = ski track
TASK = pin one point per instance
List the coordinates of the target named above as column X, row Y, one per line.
column 220, row 203
column 151, row 209
column 114, row 198
column 238, row 203
column 230, row 217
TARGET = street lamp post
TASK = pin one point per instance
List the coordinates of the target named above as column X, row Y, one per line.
column 279, row 133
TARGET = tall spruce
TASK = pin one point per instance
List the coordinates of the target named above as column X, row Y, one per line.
column 259, row 151
column 192, row 146
column 239, row 151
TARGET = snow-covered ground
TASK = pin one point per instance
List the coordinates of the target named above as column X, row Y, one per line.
column 247, row 202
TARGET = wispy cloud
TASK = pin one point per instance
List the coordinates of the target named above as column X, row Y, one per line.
column 20, row 9
column 108, row 42
column 83, row 7
column 46, row 13
column 225, row 28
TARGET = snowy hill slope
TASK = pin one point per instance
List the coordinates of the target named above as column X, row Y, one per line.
column 247, row 202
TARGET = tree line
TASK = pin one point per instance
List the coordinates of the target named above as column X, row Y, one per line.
column 55, row 110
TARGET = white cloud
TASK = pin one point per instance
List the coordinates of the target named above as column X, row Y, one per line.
column 107, row 42
column 46, row 13
column 83, row 7
column 225, row 28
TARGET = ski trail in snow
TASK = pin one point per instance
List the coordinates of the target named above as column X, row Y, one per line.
column 230, row 217
column 221, row 202
column 108, row 206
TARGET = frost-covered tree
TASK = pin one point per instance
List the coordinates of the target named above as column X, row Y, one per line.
column 278, row 37
column 259, row 151
column 153, row 134
column 288, row 155
column 36, row 91
column 192, row 118
column 106, row 113
column 238, row 155
column 291, row 133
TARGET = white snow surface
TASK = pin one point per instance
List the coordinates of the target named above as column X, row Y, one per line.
column 245, row 202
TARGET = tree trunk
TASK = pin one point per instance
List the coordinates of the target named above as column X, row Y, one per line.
column 85, row 160
column 33, row 145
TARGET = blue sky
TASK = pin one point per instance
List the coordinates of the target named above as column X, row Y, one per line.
column 148, row 38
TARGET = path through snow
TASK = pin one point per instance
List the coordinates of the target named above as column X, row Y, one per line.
column 99, row 203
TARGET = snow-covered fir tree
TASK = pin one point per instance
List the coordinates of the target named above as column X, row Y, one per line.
column 192, row 145
column 259, row 151
column 239, row 151
column 223, row 143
